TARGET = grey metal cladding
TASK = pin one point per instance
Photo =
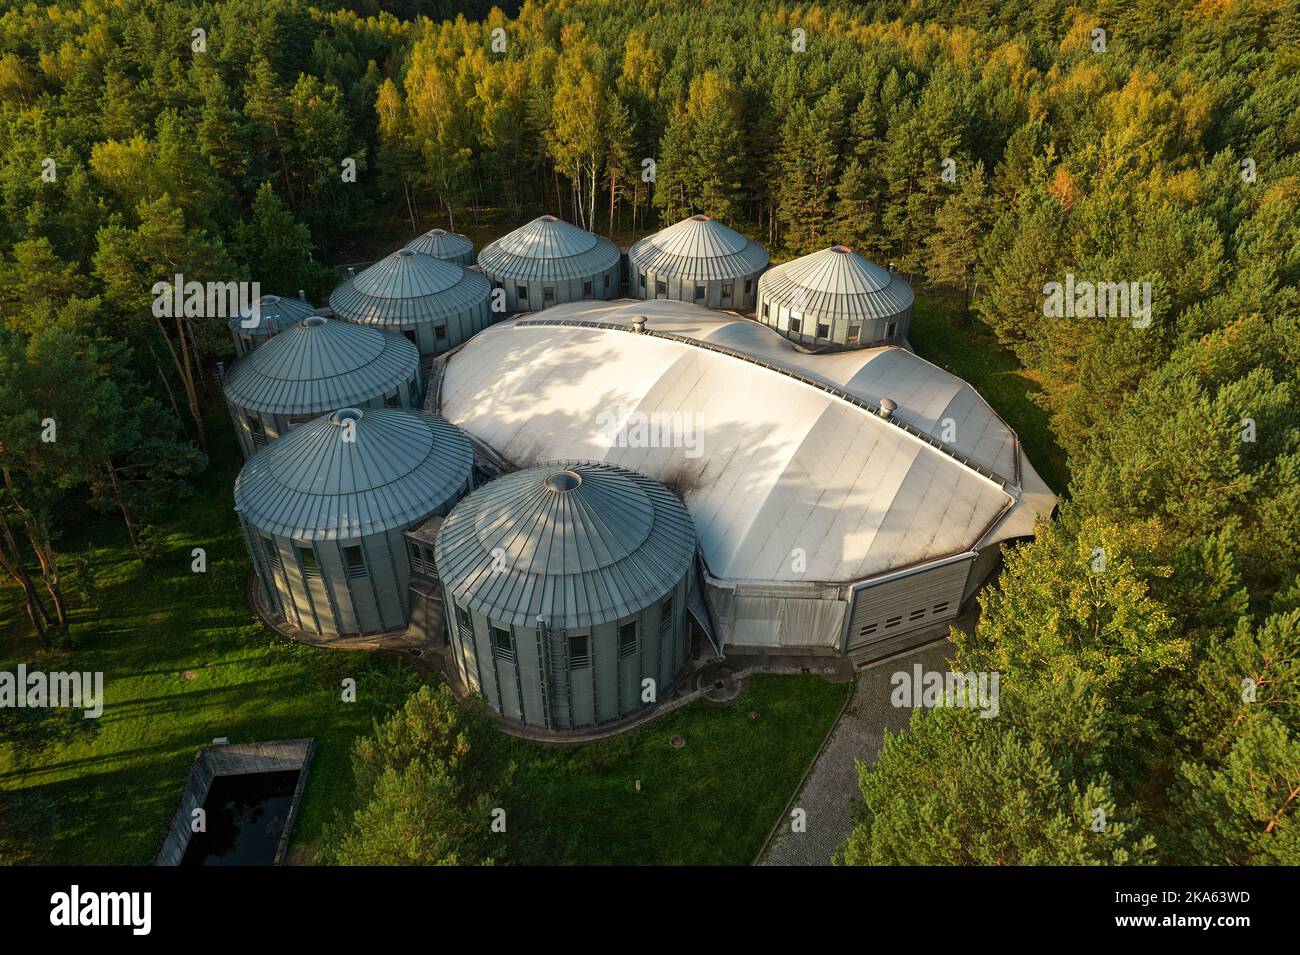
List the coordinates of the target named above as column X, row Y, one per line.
column 410, row 288
column 698, row 248
column 321, row 365
column 274, row 314
column 441, row 244
column 605, row 550
column 312, row 484
column 836, row 283
column 548, row 249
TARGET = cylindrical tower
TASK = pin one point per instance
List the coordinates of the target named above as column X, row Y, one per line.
column 565, row 587
column 435, row 304
column 835, row 299
column 698, row 260
column 317, row 366
column 449, row 246
column 324, row 510
column 549, row 261
column 273, row 315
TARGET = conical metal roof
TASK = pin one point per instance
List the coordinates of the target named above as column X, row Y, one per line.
column 400, row 466
column 275, row 314
column 441, row 244
column 548, row 249
column 407, row 288
column 698, row 248
column 580, row 544
column 319, row 365
column 838, row 283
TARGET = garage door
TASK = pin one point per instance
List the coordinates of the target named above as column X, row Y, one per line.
column 917, row 599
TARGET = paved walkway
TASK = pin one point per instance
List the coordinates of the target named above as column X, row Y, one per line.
column 829, row 792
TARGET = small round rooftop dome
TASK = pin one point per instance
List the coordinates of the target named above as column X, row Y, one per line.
column 347, row 414
column 841, row 249
column 313, row 321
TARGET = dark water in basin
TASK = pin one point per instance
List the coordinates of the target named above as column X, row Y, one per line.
column 246, row 815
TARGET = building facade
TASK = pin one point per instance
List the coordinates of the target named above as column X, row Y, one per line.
column 549, row 261
column 835, row 299
column 324, row 511
column 698, row 260
column 565, row 588
column 437, row 305
column 273, row 315
column 316, row 366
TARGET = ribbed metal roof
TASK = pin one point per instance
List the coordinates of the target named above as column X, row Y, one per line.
column 275, row 315
column 580, row 544
column 400, row 466
column 698, row 248
column 442, row 244
column 548, row 249
column 808, row 465
column 836, row 283
column 408, row 288
column 319, row 365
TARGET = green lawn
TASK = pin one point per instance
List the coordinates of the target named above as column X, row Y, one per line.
column 184, row 661
column 969, row 350
column 711, row 802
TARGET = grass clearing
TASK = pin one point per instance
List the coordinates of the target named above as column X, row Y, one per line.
column 712, row 802
column 968, row 349
column 184, row 661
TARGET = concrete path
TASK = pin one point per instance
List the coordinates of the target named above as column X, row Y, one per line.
column 829, row 792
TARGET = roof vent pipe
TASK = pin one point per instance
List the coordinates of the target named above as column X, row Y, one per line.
column 352, row 272
column 638, row 324
column 887, row 408
column 302, row 294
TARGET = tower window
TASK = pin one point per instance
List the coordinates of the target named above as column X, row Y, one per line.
column 579, row 651
column 503, row 644
column 627, row 639
column 310, row 568
column 354, row 559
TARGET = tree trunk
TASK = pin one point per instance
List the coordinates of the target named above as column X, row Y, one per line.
column 119, row 499
column 182, row 368
column 176, row 409
column 12, row 562
column 39, row 538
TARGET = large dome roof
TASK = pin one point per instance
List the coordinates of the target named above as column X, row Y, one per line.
column 839, row 283
column 441, row 244
column 400, row 466
column 407, row 288
column 699, row 248
column 580, row 544
column 275, row 314
column 548, row 249
column 318, row 365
